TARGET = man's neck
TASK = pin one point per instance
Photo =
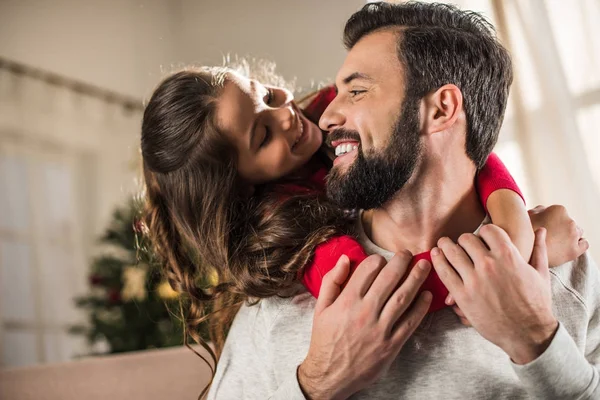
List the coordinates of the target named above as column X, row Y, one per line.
column 442, row 202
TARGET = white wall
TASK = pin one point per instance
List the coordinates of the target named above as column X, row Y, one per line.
column 123, row 45
column 115, row 44
column 303, row 37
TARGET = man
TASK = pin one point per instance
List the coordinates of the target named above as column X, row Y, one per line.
column 422, row 94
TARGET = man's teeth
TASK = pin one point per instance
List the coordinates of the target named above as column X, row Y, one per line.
column 344, row 148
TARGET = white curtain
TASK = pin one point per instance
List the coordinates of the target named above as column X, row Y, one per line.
column 555, row 110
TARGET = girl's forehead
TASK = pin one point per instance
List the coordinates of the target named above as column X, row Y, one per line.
column 236, row 108
column 239, row 80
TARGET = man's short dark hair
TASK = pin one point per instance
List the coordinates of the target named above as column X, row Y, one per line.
column 440, row 44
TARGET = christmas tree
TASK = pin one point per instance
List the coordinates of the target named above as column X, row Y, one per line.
column 130, row 305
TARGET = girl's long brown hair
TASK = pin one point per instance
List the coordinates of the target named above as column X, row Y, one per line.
column 201, row 221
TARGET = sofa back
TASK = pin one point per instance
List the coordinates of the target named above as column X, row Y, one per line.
column 174, row 373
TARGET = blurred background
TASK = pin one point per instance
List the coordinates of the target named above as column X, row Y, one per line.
column 73, row 79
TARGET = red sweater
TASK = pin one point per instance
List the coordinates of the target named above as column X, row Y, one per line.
column 493, row 176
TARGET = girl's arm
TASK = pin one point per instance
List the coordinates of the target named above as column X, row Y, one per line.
column 505, row 205
column 327, row 254
column 507, row 210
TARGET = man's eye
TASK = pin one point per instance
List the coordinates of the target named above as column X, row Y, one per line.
column 269, row 96
column 266, row 138
column 356, row 92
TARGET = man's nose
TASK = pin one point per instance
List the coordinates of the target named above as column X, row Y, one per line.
column 332, row 118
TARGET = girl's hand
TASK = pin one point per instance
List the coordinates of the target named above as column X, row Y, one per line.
column 564, row 240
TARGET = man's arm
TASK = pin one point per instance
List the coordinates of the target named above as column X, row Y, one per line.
column 509, row 303
column 563, row 371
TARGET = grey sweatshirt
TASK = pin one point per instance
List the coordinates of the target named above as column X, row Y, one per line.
column 442, row 360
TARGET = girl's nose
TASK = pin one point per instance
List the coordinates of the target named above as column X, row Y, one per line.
column 285, row 117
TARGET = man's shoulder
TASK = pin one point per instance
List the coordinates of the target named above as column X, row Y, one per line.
column 579, row 278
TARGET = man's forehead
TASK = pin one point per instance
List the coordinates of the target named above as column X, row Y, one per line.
column 375, row 56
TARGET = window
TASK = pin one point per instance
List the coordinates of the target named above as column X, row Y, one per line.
column 42, row 261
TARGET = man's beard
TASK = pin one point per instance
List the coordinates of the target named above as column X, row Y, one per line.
column 374, row 179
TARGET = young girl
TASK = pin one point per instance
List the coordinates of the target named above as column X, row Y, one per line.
column 235, row 188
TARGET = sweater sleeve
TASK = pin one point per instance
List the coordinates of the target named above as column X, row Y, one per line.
column 565, row 371
column 494, row 176
column 288, row 390
column 326, row 256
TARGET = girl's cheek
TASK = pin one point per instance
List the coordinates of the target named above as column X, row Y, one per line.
column 282, row 156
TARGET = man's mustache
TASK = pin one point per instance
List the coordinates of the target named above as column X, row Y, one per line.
column 342, row 134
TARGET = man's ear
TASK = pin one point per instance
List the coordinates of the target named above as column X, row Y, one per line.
column 441, row 109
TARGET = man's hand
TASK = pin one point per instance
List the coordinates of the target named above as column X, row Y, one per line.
column 359, row 331
column 564, row 240
column 504, row 298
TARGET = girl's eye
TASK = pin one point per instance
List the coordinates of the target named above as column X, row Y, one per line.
column 266, row 138
column 269, row 96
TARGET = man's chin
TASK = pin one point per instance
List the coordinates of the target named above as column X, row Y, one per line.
column 341, row 189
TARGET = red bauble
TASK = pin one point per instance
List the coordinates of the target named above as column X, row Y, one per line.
column 114, row 296
column 96, row 280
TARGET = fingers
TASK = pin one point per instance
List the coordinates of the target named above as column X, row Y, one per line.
column 364, row 275
column 461, row 316
column 458, row 311
column 494, row 236
column 409, row 322
column 539, row 258
column 456, row 256
column 332, row 284
column 397, row 304
column 447, row 274
column 583, row 245
column 450, row 300
column 388, row 279
column 536, row 210
column 473, row 246
column 579, row 231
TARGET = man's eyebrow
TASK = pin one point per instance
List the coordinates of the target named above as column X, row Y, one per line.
column 353, row 76
column 357, row 75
